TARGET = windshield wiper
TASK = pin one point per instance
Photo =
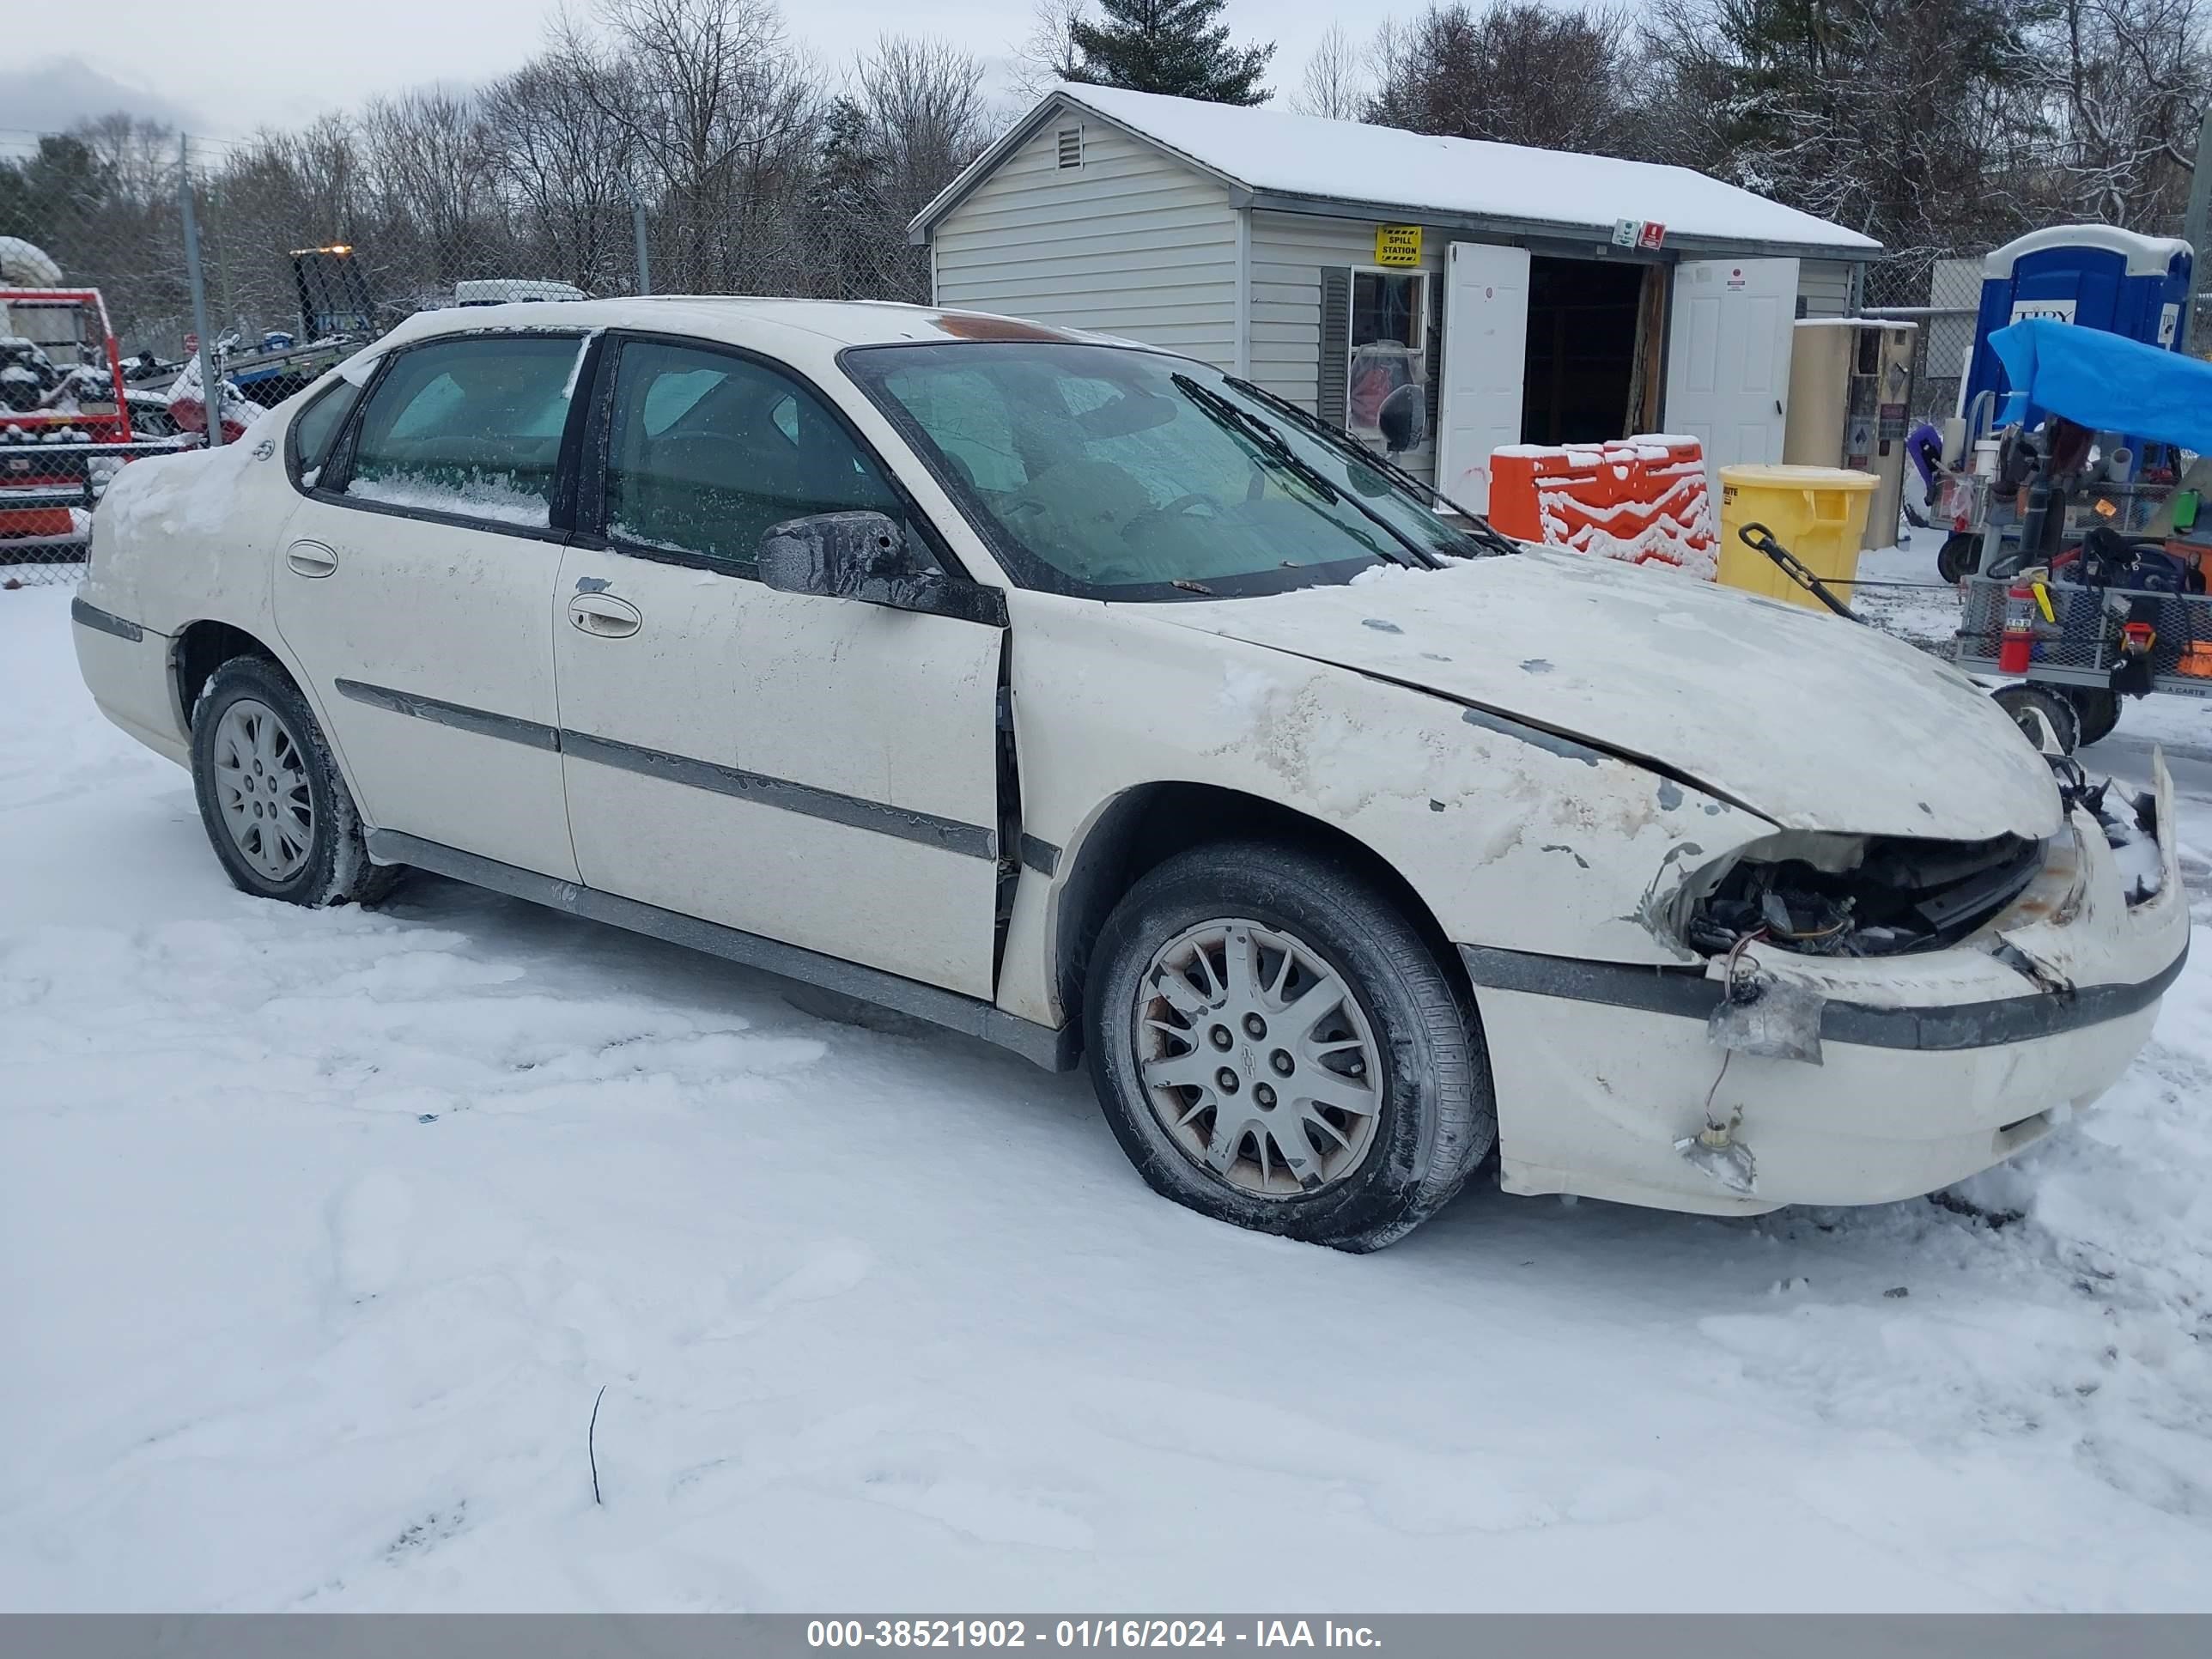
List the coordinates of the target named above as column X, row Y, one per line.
column 1273, row 444
column 1344, row 444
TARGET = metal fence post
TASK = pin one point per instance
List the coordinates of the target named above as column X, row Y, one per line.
column 210, row 387
column 2196, row 229
column 644, row 249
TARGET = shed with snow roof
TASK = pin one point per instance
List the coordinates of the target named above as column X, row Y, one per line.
column 1528, row 295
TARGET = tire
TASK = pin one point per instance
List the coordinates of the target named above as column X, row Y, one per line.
column 2024, row 701
column 1959, row 556
column 259, row 763
column 2098, row 710
column 1354, row 1179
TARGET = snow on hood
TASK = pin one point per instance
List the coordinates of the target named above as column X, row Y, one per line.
column 1804, row 718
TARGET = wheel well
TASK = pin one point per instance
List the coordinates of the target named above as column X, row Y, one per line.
column 199, row 649
column 1144, row 827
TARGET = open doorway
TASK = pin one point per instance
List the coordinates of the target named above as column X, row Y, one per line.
column 1593, row 350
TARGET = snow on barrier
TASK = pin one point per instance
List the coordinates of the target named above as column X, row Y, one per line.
column 1642, row 499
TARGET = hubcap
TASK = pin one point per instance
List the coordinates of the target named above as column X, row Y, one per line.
column 261, row 787
column 1256, row 1058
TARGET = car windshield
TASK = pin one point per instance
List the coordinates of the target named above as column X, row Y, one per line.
column 1117, row 473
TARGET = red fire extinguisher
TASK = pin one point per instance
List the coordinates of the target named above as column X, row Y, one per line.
column 2019, row 642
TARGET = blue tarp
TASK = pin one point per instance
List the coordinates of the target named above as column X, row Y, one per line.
column 2104, row 382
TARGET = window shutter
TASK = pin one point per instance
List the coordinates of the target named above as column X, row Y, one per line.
column 1332, row 400
column 1433, row 355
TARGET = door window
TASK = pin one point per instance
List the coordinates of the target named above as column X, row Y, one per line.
column 469, row 426
column 707, row 450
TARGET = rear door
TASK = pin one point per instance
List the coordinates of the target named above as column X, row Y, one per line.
column 813, row 770
column 1485, row 361
column 1728, row 358
column 415, row 587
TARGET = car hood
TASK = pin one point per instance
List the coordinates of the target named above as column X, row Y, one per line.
column 1801, row 717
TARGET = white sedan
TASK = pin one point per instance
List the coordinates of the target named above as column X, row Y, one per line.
column 1083, row 698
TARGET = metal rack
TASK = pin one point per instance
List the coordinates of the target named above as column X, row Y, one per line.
column 2080, row 644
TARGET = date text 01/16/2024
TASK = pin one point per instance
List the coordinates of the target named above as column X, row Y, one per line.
column 1084, row 1633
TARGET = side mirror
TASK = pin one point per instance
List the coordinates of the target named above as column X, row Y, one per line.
column 864, row 555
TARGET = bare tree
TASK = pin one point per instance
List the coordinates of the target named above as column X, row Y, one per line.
column 566, row 164
column 1048, row 54
column 1334, row 83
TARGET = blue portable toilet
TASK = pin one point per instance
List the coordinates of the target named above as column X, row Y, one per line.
column 2091, row 276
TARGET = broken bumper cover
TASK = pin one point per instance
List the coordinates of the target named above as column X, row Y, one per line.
column 1932, row 1066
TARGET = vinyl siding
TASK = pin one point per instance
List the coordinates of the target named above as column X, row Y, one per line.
column 1825, row 286
column 1132, row 243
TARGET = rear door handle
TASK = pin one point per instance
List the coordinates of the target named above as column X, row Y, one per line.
column 605, row 615
column 310, row 559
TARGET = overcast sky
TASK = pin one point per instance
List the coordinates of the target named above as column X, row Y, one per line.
column 224, row 67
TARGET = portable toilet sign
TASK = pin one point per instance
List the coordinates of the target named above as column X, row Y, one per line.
column 2086, row 276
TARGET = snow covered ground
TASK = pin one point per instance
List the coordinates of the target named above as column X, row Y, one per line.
column 322, row 1233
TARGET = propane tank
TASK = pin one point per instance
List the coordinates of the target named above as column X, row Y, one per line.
column 2018, row 646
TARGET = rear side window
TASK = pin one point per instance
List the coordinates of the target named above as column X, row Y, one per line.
column 470, row 426
column 706, row 451
column 314, row 426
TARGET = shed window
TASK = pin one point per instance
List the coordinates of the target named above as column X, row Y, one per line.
column 1071, row 147
column 1389, row 307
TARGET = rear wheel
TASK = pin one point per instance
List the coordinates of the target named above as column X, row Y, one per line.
column 277, row 810
column 2026, row 702
column 1275, row 1045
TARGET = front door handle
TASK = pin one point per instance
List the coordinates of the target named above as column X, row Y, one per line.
column 310, row 559
column 605, row 615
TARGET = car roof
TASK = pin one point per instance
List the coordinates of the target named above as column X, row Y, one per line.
column 790, row 328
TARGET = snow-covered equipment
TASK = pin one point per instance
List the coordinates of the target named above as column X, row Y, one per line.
column 65, row 426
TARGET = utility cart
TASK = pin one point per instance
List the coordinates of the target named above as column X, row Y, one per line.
column 2106, row 595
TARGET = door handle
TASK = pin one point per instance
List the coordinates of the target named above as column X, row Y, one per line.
column 310, row 559
column 605, row 615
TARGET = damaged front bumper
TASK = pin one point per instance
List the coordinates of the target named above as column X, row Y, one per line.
column 1895, row 1076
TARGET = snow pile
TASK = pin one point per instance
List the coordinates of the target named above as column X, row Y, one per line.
column 328, row 1228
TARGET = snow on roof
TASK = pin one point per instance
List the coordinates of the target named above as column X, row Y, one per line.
column 1273, row 152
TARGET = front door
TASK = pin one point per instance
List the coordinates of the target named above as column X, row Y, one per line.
column 1728, row 358
column 1486, row 362
column 814, row 770
column 415, row 585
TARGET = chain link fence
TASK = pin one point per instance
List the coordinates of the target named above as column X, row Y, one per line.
column 135, row 265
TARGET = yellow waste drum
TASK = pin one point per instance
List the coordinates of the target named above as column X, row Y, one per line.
column 1818, row 512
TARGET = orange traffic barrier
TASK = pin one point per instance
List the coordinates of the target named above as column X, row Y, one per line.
column 1642, row 499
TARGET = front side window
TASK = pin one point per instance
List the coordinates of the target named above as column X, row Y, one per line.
column 1121, row 473
column 469, row 426
column 707, row 450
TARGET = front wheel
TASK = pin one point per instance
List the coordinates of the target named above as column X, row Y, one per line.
column 1275, row 1045
column 277, row 810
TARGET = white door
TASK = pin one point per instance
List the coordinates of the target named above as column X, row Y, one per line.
column 1728, row 358
column 1485, row 361
column 418, row 595
column 814, row 770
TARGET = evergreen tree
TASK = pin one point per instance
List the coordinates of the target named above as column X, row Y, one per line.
column 1175, row 46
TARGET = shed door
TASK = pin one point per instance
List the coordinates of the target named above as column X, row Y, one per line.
column 1728, row 362
column 1485, row 358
